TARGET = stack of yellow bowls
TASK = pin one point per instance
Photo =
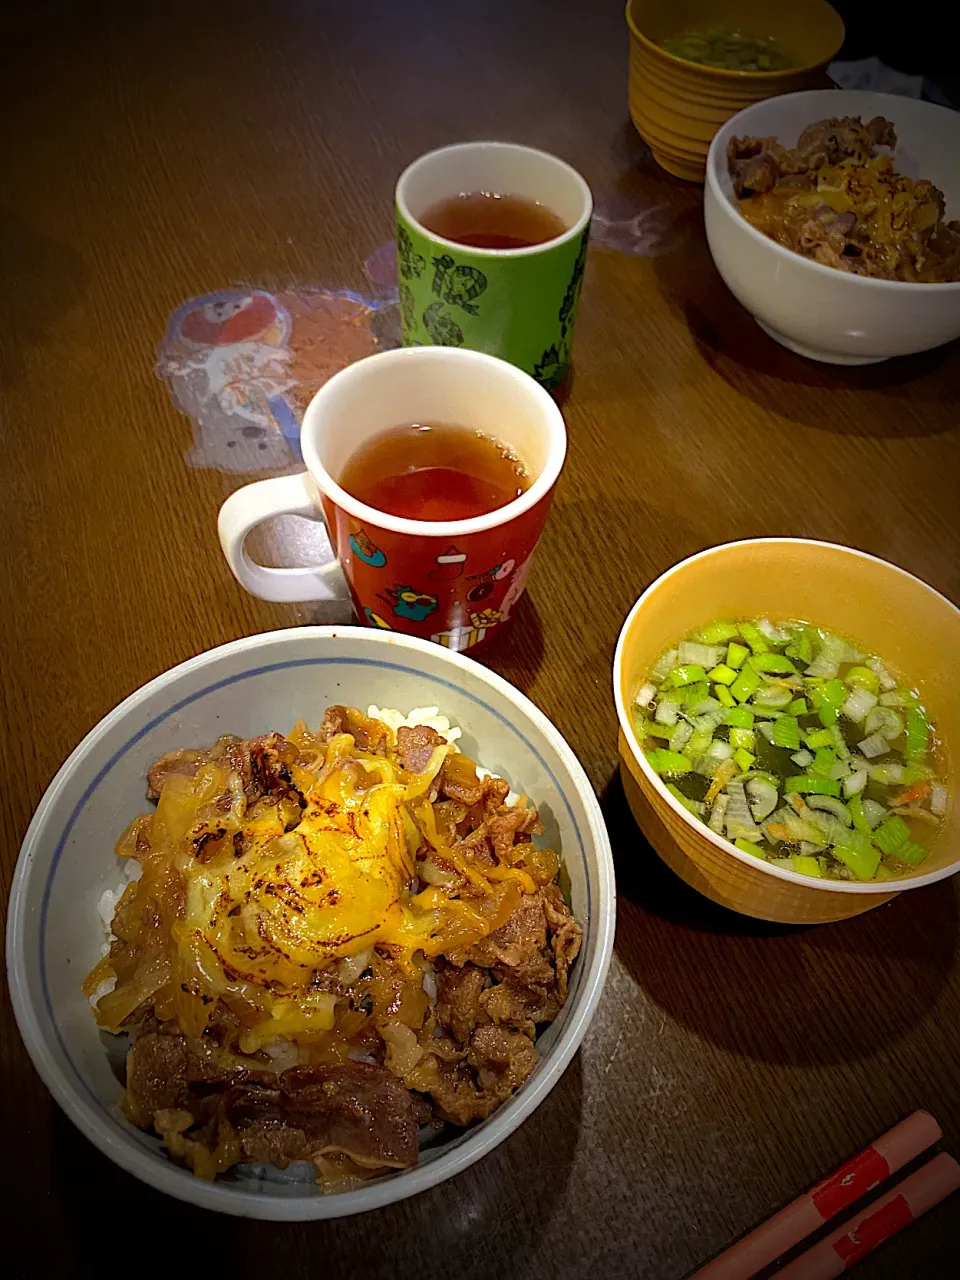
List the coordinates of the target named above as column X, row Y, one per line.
column 677, row 106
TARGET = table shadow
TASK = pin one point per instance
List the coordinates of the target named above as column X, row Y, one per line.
column 433, row 1235
column 735, row 347
column 40, row 281
column 778, row 993
column 515, row 650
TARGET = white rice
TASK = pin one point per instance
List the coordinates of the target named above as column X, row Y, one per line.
column 429, row 716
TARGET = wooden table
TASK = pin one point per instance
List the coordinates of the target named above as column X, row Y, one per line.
column 158, row 152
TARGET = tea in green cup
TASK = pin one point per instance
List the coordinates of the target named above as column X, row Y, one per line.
column 491, row 245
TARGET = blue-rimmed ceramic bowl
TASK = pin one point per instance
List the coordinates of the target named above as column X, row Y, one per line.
column 252, row 686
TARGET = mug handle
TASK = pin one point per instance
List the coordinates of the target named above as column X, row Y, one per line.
column 295, row 495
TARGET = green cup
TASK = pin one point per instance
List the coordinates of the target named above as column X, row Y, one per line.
column 518, row 304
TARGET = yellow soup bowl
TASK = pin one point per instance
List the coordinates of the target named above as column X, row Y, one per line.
column 914, row 629
column 677, row 106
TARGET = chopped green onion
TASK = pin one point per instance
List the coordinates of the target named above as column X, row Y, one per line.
column 774, row 664
column 681, row 736
column 798, row 707
column 663, row 666
column 650, row 729
column 863, row 678
column 891, row 834
column 786, row 733
column 856, row 851
column 806, row 865
column 875, row 745
column 691, row 674
column 773, row 696
column 722, row 674
column 739, row 717
column 830, row 804
column 747, row 846
column 802, row 758
column 819, row 738
column 829, row 700
column 699, row 743
column 707, row 655
column 874, row 813
column 716, row 632
column 823, row 762
column 745, row 759
column 762, row 798
column 695, row 693
column 916, row 773
column 805, row 645
column 754, row 637
column 918, row 734
column 912, row 853
column 742, row 738
column 886, row 722
column 806, row 785
column 855, row 782
column 859, row 705
column 725, row 696
column 855, row 809
column 663, row 761
column 736, row 654
column 746, row 684
column 840, row 743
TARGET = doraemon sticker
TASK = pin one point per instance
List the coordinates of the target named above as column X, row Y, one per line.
column 243, row 364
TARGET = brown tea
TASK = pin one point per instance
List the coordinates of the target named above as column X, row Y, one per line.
column 490, row 220
column 434, row 471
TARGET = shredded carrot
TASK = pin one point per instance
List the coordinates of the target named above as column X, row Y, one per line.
column 779, row 832
column 914, row 795
column 725, row 772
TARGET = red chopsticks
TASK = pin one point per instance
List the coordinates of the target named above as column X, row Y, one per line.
column 875, row 1223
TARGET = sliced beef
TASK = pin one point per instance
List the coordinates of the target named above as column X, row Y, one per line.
column 456, row 1098
column 882, row 132
column 262, row 764
column 334, row 723
column 459, row 781
column 358, row 1108
column 477, row 847
column 503, row 829
column 416, row 745
column 523, row 1008
column 369, row 735
column 227, row 751
column 518, row 948
column 565, row 935
column 156, row 1076
column 458, row 999
column 271, row 758
column 502, row 1059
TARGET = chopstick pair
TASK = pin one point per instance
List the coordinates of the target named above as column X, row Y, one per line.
column 874, row 1224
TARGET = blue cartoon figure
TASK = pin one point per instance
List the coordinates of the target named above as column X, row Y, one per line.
column 409, row 603
column 366, row 550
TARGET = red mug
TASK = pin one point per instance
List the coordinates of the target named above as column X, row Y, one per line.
column 452, row 581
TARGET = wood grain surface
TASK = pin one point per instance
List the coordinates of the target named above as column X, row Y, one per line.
column 155, row 152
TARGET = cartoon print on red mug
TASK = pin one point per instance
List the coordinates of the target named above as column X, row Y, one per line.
column 376, row 621
column 368, row 552
column 408, row 602
column 449, row 565
column 516, row 588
